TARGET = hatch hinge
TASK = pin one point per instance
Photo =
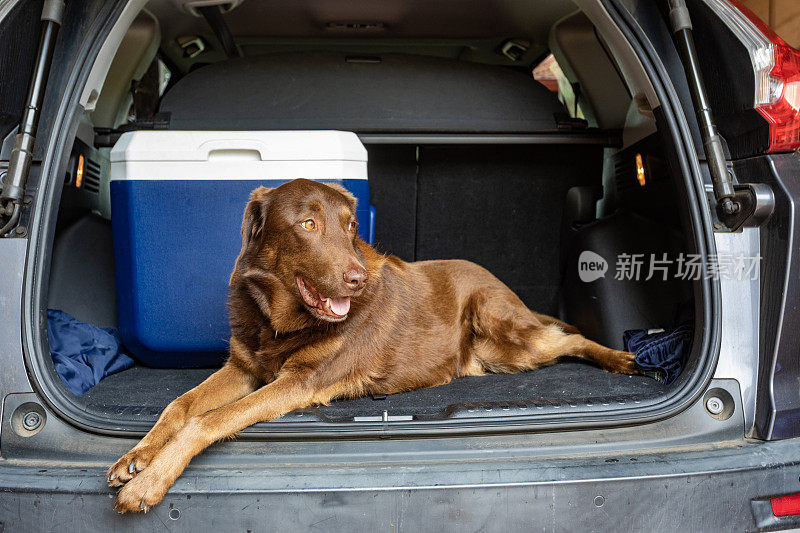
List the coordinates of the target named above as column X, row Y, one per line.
column 756, row 201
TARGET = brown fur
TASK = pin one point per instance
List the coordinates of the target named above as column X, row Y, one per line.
column 412, row 325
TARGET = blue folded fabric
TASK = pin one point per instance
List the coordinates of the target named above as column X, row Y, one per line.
column 83, row 354
column 662, row 354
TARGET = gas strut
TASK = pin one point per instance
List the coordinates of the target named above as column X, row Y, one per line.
column 713, row 143
column 738, row 205
column 19, row 163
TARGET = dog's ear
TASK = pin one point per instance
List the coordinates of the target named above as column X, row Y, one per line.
column 255, row 216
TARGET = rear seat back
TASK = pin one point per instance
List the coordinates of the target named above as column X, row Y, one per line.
column 389, row 93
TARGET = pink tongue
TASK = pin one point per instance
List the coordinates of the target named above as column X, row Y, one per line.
column 340, row 306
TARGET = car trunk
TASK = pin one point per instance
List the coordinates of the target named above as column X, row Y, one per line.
column 507, row 207
column 480, row 180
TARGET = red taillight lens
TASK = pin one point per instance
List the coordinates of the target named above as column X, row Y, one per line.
column 786, row 505
column 784, row 114
column 776, row 66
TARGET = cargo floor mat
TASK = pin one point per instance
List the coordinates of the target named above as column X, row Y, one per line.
column 141, row 393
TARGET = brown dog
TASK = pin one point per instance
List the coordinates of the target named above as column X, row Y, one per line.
column 317, row 314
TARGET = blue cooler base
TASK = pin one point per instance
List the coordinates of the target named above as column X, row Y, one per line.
column 175, row 244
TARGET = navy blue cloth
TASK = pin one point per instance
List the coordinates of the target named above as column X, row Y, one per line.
column 83, row 354
column 661, row 355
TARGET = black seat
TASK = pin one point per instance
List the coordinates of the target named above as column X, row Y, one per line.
column 389, row 93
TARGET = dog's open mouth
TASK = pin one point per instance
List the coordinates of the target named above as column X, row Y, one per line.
column 329, row 308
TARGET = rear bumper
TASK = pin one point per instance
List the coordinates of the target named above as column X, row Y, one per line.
column 724, row 487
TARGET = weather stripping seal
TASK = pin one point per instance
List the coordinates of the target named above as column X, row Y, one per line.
column 684, row 395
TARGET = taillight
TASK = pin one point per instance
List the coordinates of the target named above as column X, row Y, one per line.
column 776, row 69
column 785, row 505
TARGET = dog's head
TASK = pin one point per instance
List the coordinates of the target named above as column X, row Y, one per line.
column 301, row 237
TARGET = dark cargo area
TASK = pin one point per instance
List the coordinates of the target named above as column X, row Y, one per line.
column 502, row 206
column 498, row 206
column 470, row 156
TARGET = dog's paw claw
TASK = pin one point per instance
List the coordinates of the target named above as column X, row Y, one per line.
column 140, row 494
column 128, row 466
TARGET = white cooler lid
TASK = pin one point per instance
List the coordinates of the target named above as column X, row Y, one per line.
column 168, row 146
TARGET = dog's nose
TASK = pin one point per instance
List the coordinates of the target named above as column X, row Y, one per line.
column 355, row 278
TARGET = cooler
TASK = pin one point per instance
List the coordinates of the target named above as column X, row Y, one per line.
column 177, row 199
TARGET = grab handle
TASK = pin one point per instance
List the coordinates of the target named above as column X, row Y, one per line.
column 249, row 149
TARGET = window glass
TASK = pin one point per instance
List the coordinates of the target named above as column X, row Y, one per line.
column 549, row 74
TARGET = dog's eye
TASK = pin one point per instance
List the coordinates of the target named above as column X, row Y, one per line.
column 352, row 226
column 308, row 224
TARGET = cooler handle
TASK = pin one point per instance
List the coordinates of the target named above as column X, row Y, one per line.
column 234, row 148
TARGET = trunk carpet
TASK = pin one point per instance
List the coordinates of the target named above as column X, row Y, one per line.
column 142, row 393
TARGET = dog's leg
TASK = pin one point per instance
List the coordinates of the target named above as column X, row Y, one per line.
column 508, row 337
column 552, row 342
column 289, row 391
column 547, row 320
column 222, row 387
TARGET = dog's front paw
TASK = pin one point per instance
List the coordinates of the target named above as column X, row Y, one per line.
column 141, row 493
column 129, row 465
